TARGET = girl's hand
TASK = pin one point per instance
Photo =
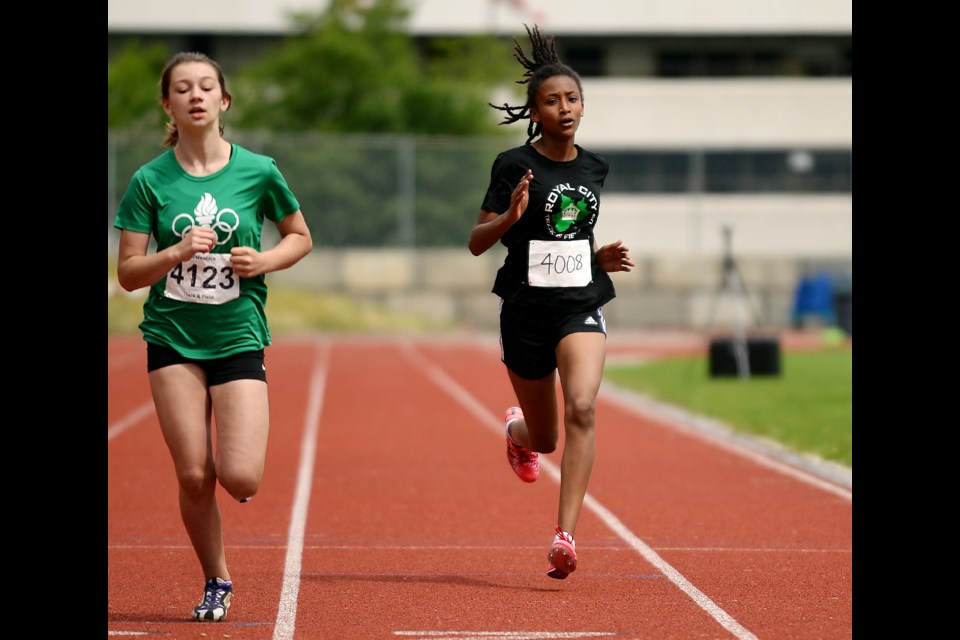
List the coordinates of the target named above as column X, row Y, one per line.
column 521, row 196
column 614, row 257
column 246, row 262
column 197, row 240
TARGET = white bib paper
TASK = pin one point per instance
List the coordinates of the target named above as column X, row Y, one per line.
column 206, row 278
column 555, row 263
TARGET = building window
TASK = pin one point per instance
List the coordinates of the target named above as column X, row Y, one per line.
column 588, row 61
column 730, row 171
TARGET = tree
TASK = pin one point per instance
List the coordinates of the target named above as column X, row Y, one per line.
column 355, row 68
column 352, row 69
column 133, row 88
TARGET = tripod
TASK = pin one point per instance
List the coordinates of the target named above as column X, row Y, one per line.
column 731, row 283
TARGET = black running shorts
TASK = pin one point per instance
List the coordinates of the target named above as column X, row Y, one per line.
column 248, row 365
column 529, row 336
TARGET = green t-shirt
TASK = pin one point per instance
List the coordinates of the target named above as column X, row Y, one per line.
column 165, row 201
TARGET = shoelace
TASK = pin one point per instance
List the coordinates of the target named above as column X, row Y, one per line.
column 213, row 597
column 562, row 535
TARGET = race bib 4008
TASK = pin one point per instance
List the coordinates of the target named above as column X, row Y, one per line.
column 206, row 278
column 555, row 263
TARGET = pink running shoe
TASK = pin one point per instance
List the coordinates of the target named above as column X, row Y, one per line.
column 525, row 463
column 562, row 555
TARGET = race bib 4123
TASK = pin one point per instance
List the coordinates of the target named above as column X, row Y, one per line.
column 206, row 278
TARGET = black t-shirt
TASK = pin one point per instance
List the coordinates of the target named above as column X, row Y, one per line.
column 563, row 207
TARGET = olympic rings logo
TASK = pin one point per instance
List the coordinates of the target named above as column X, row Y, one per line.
column 206, row 214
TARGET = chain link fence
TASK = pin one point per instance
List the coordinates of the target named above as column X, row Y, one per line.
column 356, row 191
column 380, row 191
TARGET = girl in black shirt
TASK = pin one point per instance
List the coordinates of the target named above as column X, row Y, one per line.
column 542, row 204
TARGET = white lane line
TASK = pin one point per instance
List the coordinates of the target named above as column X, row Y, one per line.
column 287, row 610
column 469, row 547
column 128, row 420
column 483, row 416
column 504, row 635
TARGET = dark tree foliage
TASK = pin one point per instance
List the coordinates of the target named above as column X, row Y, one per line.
column 386, row 139
column 133, row 88
column 354, row 68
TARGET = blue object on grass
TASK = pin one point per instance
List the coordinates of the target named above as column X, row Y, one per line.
column 814, row 298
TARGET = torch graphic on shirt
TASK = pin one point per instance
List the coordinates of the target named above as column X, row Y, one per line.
column 205, row 214
column 205, row 211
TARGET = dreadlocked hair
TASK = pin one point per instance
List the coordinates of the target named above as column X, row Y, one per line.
column 543, row 63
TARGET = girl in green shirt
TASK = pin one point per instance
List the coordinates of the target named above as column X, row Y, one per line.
column 204, row 201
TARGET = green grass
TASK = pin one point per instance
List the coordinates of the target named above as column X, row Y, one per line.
column 291, row 310
column 807, row 408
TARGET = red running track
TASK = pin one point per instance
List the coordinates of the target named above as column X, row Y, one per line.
column 388, row 510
